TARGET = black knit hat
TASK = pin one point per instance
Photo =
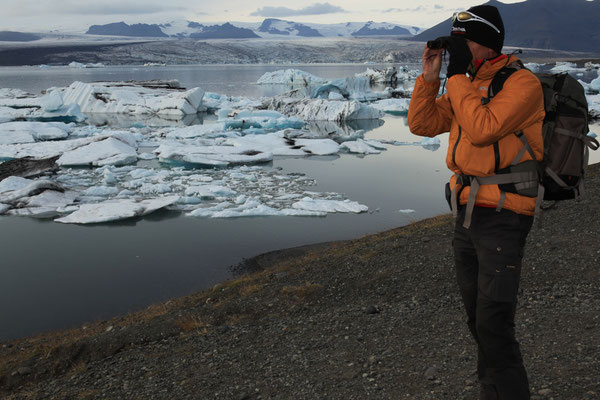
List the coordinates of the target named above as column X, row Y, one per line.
column 479, row 31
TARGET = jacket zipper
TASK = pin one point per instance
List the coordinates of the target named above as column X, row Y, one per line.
column 456, row 145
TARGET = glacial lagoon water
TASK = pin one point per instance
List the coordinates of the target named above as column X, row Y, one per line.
column 56, row 276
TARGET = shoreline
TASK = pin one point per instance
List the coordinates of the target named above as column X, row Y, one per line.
column 375, row 317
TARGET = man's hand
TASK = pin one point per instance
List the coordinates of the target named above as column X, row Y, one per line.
column 460, row 56
column 432, row 64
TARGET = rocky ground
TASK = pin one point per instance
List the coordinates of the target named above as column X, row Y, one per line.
column 374, row 318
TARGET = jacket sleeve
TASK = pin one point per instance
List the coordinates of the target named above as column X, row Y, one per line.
column 518, row 105
column 428, row 116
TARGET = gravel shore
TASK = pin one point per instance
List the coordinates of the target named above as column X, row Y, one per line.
column 379, row 317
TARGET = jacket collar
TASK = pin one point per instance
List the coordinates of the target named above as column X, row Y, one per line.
column 486, row 69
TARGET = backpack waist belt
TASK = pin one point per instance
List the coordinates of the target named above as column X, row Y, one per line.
column 523, row 182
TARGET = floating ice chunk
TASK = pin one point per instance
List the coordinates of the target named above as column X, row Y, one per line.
column 392, row 106
column 359, row 146
column 133, row 98
column 265, row 119
column 155, row 188
column 252, row 207
column 318, row 146
column 209, row 192
column 14, row 183
column 110, row 151
column 14, row 136
column 28, row 132
column 407, row 211
column 33, row 187
column 290, row 77
column 335, row 96
column 66, row 113
column 565, row 67
column 330, row 206
column 324, row 110
column 386, row 75
column 534, row 67
column 116, row 210
column 52, row 199
column 356, row 88
column 101, row 191
column 217, row 101
column 75, row 64
column 4, row 208
column 593, row 105
column 52, row 101
column 10, row 114
column 194, row 131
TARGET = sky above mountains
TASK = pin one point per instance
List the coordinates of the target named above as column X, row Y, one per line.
column 45, row 15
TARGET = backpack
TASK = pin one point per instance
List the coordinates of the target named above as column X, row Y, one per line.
column 560, row 174
column 564, row 131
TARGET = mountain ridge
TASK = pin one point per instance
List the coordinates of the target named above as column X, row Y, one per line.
column 546, row 24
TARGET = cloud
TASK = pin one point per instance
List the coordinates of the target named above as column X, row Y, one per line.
column 314, row 9
column 76, row 7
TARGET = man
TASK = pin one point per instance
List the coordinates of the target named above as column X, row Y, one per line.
column 492, row 220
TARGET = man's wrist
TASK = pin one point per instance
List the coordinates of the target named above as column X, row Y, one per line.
column 431, row 77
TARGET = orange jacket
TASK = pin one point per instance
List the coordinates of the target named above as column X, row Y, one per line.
column 474, row 128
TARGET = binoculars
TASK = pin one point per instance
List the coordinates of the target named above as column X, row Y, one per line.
column 439, row 43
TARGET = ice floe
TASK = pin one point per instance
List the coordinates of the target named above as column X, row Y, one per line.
column 323, row 110
column 330, row 206
column 392, row 106
column 115, row 210
column 162, row 98
column 294, row 77
column 110, row 151
column 29, row 132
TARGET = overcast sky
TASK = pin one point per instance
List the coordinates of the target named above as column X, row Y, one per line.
column 44, row 15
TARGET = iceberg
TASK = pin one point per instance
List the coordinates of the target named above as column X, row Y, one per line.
column 319, row 147
column 386, row 75
column 252, row 207
column 28, row 132
column 323, row 110
column 264, row 119
column 289, row 77
column 110, row 151
column 216, row 101
column 32, row 188
column 359, row 146
column 392, row 106
column 330, row 206
column 134, row 98
column 114, row 210
column 354, row 88
column 562, row 66
column 593, row 106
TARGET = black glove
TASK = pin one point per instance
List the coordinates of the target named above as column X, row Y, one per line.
column 460, row 55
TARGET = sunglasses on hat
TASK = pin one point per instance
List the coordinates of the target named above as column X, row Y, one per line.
column 466, row 16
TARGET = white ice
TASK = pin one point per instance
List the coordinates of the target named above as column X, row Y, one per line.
column 131, row 98
column 113, row 210
column 29, row 132
column 324, row 110
column 289, row 77
column 392, row 106
column 319, row 147
column 330, row 206
column 215, row 101
column 359, row 146
column 110, row 151
column 264, row 119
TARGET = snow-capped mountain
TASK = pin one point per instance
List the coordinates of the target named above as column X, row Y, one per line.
column 383, row 28
column 275, row 26
column 269, row 28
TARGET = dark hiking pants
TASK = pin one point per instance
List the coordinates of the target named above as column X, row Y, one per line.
column 488, row 267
